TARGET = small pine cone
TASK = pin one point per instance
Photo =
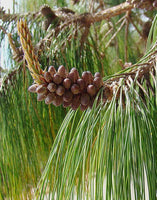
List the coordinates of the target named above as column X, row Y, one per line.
column 33, row 88
column 48, row 77
column 68, row 96
column 62, row 71
column 81, row 84
column 87, row 77
column 66, row 104
column 41, row 89
column 85, row 99
column 75, row 71
column 75, row 89
column 75, row 102
column 98, row 82
column 67, row 83
column 50, row 97
column 82, row 107
column 73, row 75
column 60, row 90
column 91, row 89
column 90, row 76
column 52, row 87
column 97, row 74
column 57, row 101
column 69, row 89
column 57, row 78
column 41, row 96
column 52, row 70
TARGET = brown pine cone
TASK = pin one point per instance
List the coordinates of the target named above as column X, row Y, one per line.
column 57, row 101
column 97, row 74
column 57, row 78
column 41, row 88
column 75, row 89
column 73, row 75
column 98, row 82
column 68, row 96
column 41, row 96
column 52, row 70
column 50, row 97
column 69, row 89
column 87, row 77
column 33, row 88
column 75, row 102
column 91, row 89
column 85, row 99
column 67, row 83
column 62, row 71
column 60, row 90
column 52, row 87
column 48, row 77
column 81, row 84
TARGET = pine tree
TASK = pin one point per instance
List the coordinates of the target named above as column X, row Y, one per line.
column 78, row 107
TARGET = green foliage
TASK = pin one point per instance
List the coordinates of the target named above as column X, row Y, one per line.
column 56, row 152
column 106, row 154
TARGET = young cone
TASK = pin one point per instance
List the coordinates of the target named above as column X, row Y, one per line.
column 67, row 89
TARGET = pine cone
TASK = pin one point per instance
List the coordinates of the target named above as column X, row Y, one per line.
column 69, row 89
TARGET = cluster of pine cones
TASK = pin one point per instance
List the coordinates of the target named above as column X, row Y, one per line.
column 60, row 87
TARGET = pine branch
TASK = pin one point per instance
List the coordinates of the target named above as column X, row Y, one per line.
column 63, row 18
column 67, row 16
column 71, row 89
column 87, row 19
column 8, row 17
